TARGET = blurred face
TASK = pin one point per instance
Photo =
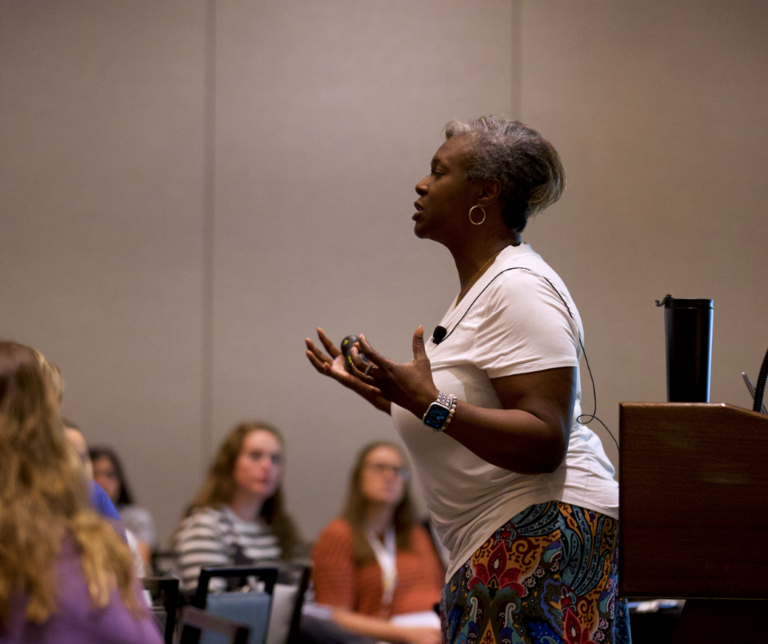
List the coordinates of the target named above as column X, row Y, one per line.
column 445, row 194
column 259, row 466
column 105, row 475
column 382, row 479
column 77, row 439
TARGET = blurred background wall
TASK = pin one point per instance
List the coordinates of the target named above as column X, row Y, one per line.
column 188, row 188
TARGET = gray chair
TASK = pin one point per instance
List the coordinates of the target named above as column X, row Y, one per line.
column 247, row 607
column 195, row 621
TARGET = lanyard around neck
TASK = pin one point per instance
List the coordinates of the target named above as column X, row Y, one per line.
column 386, row 556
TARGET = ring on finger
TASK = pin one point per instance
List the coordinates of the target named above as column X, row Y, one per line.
column 368, row 368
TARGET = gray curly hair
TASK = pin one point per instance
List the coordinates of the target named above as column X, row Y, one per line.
column 526, row 164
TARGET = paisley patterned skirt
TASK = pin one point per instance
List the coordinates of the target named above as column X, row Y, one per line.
column 548, row 576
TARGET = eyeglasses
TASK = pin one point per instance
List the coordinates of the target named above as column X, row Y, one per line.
column 384, row 468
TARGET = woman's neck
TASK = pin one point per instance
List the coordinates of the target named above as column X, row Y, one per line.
column 474, row 260
column 379, row 518
column 245, row 506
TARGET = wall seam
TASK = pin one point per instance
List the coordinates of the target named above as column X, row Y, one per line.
column 209, row 204
column 517, row 60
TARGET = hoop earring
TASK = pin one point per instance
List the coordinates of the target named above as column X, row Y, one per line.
column 476, row 223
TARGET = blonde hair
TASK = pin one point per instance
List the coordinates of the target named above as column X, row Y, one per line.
column 356, row 509
column 44, row 497
column 219, row 487
column 52, row 372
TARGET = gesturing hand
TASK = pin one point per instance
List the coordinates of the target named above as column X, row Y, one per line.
column 409, row 385
column 332, row 365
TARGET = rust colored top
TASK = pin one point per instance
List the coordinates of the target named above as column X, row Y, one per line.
column 342, row 583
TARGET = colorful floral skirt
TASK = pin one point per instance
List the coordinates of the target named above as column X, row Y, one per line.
column 548, row 576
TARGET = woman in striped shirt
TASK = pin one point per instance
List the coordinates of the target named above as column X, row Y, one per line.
column 238, row 516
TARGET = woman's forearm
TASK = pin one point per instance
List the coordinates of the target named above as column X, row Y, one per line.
column 512, row 439
column 529, row 435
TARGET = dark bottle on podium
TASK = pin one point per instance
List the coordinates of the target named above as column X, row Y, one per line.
column 688, row 333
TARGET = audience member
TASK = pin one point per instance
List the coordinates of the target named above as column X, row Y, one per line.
column 66, row 576
column 374, row 565
column 238, row 516
column 100, row 500
column 108, row 473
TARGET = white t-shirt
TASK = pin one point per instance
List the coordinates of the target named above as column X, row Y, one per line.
column 518, row 325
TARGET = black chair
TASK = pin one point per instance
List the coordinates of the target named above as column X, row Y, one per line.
column 252, row 608
column 165, row 602
column 287, row 601
column 163, row 562
column 195, row 621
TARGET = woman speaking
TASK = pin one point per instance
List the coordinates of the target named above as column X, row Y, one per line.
column 521, row 494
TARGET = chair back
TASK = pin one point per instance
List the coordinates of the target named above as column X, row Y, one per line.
column 163, row 562
column 164, row 592
column 292, row 584
column 252, row 608
column 194, row 621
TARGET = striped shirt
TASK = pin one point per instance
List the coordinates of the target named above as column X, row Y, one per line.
column 210, row 536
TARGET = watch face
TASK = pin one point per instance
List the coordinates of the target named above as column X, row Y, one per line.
column 436, row 416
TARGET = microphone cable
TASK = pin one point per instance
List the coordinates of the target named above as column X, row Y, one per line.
column 441, row 334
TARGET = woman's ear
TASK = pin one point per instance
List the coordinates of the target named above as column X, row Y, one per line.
column 490, row 190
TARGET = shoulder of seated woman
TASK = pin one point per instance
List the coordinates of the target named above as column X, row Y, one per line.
column 336, row 530
column 208, row 517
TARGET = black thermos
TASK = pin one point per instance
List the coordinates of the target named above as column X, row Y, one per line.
column 688, row 333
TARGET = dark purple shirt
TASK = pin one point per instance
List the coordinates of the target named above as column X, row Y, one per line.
column 76, row 621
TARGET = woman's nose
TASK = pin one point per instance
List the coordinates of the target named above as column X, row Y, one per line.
column 421, row 187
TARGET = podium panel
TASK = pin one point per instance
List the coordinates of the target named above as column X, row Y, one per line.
column 693, row 514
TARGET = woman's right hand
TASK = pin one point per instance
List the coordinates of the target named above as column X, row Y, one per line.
column 332, row 365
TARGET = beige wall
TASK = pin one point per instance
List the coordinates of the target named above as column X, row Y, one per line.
column 188, row 189
column 660, row 111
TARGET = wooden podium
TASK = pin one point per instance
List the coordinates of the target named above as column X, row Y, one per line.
column 693, row 515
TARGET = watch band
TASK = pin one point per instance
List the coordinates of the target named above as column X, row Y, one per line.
column 440, row 413
column 444, row 399
column 448, row 420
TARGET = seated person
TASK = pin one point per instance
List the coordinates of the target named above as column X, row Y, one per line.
column 108, row 473
column 66, row 576
column 238, row 516
column 374, row 565
column 100, row 500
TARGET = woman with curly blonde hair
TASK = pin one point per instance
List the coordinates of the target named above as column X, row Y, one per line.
column 65, row 573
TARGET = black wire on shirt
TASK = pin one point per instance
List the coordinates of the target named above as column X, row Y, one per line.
column 441, row 335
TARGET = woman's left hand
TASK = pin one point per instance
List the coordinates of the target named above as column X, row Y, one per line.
column 409, row 385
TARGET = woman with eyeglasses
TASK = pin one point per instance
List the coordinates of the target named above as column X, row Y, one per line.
column 374, row 566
